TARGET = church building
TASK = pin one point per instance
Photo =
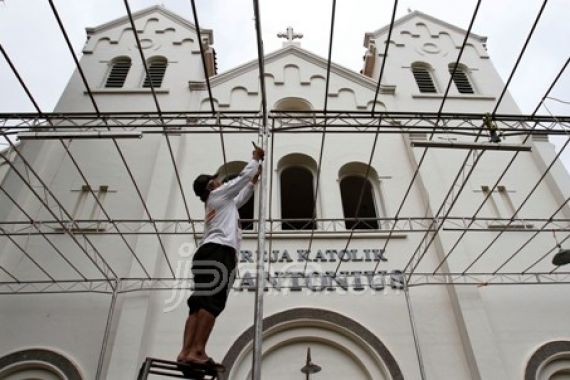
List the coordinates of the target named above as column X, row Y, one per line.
column 395, row 247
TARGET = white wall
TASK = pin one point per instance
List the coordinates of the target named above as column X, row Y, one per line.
column 464, row 333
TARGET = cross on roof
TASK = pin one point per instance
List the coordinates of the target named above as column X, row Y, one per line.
column 289, row 34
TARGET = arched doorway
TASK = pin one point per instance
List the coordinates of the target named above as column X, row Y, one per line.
column 341, row 346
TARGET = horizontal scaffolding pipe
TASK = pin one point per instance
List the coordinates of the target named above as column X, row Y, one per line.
column 134, row 284
column 477, row 146
column 175, row 130
column 319, row 114
column 79, row 135
column 278, row 227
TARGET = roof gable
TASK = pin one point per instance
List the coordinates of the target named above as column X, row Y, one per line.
column 146, row 12
column 419, row 15
column 306, row 55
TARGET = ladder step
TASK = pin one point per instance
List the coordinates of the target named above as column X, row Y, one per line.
column 167, row 368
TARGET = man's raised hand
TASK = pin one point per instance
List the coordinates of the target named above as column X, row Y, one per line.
column 258, row 154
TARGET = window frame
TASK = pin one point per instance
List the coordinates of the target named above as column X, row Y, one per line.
column 430, row 72
column 50, row 361
column 306, row 162
column 461, row 69
column 293, row 104
column 111, row 67
column 551, row 358
column 304, row 221
column 149, row 63
column 358, row 169
column 373, row 195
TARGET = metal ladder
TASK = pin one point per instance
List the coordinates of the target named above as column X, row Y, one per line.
column 154, row 366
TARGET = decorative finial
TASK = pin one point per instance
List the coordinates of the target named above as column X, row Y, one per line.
column 310, row 367
column 410, row 10
column 290, row 35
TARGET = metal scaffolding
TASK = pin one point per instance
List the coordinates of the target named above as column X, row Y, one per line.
column 267, row 125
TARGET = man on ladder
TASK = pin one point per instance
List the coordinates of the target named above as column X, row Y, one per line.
column 214, row 262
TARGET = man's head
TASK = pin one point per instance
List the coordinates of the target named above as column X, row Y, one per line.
column 204, row 184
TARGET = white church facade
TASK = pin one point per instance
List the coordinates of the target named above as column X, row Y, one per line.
column 336, row 284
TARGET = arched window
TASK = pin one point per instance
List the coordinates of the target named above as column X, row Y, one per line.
column 297, row 201
column 38, row 364
column 356, row 179
column 423, row 77
column 118, row 73
column 246, row 212
column 156, row 69
column 461, row 79
column 298, row 106
column 550, row 362
column 293, row 104
column 352, row 187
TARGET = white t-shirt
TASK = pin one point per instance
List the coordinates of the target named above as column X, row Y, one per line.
column 222, row 217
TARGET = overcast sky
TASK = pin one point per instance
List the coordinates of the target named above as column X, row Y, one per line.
column 30, row 35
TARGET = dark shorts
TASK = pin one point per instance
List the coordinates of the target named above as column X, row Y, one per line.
column 213, row 270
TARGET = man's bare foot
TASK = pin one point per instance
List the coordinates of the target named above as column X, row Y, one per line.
column 193, row 358
column 184, row 355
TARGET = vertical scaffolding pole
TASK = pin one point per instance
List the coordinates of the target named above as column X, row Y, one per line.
column 264, row 134
column 414, row 331
column 107, row 334
column 258, row 311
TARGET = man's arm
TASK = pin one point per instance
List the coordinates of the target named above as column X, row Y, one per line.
column 232, row 188
column 244, row 195
column 247, row 191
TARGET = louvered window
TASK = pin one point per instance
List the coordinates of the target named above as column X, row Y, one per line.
column 423, row 79
column 118, row 73
column 461, row 80
column 156, row 70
